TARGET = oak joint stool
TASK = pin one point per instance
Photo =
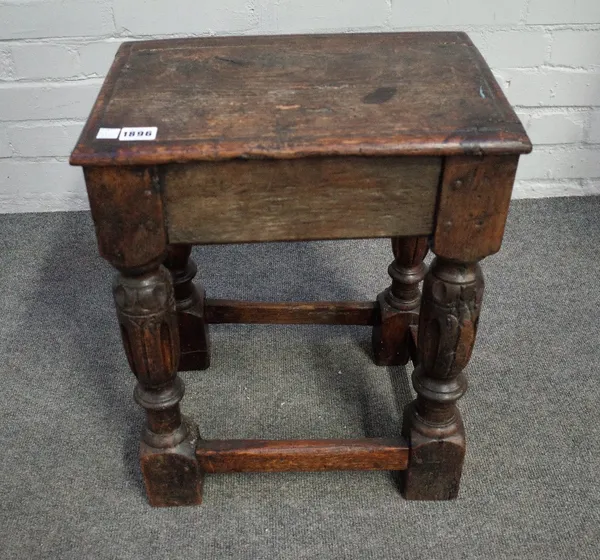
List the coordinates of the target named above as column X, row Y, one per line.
column 298, row 138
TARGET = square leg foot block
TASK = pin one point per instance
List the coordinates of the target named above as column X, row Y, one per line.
column 434, row 464
column 172, row 476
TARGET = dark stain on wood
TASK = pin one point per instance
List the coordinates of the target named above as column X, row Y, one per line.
column 380, row 95
column 230, row 60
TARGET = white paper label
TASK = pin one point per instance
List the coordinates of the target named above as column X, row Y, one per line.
column 108, row 133
column 138, row 133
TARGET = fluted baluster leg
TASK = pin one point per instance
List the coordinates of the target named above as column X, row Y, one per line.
column 189, row 297
column 399, row 304
column 148, row 320
column 452, row 295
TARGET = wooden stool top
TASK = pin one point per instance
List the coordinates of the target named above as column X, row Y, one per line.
column 429, row 94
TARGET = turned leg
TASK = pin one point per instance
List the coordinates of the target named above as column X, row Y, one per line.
column 193, row 330
column 452, row 295
column 399, row 304
column 148, row 320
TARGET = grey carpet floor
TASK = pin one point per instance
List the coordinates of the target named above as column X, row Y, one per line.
column 69, row 482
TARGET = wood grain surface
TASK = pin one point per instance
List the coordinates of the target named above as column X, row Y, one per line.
column 296, row 96
column 302, row 199
column 473, row 205
column 127, row 209
column 291, row 313
column 221, row 456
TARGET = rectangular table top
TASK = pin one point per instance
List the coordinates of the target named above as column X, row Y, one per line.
column 387, row 94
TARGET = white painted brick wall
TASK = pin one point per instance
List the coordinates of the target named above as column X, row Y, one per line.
column 94, row 58
column 576, row 48
column 6, row 65
column 555, row 126
column 550, row 87
column 5, row 149
column 563, row 11
column 42, row 139
column 51, row 185
column 594, row 130
column 426, row 13
column 32, row 61
column 504, row 49
column 564, row 163
column 49, row 101
column 54, row 54
column 183, row 16
column 32, row 19
column 296, row 17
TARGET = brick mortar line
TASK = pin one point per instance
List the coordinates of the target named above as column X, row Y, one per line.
column 518, row 28
column 569, row 109
column 36, row 123
column 556, row 181
column 525, row 12
column 51, row 83
column 27, row 197
column 539, row 69
column 31, row 160
column 75, row 78
column 577, row 108
column 553, row 149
